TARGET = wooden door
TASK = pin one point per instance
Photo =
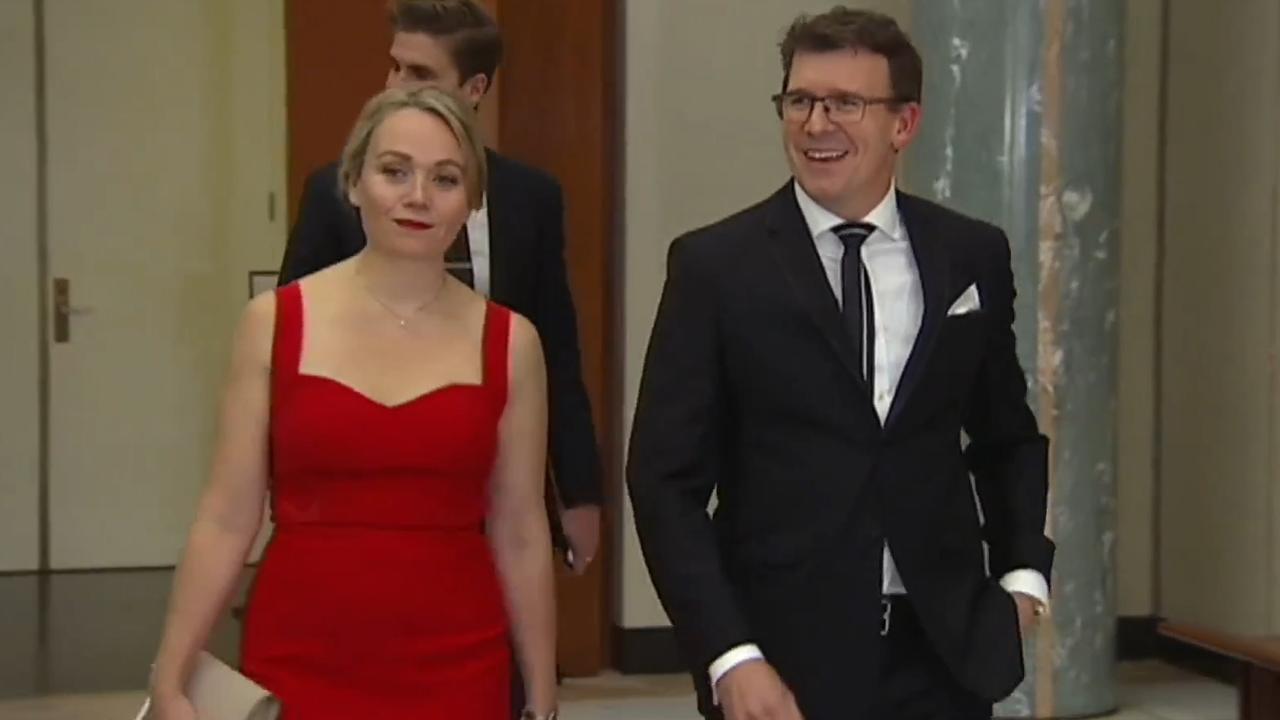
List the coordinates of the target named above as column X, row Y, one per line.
column 558, row 113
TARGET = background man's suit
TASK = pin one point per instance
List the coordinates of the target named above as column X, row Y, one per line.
column 527, row 274
column 525, row 271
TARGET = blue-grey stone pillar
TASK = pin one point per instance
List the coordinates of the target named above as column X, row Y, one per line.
column 1022, row 128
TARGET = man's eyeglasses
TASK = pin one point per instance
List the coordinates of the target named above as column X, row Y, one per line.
column 798, row 106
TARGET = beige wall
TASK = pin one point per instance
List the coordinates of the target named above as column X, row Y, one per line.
column 19, row 359
column 701, row 142
column 1219, row 524
column 1135, row 421
column 254, row 36
column 224, row 233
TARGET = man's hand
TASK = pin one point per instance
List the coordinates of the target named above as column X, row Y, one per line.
column 753, row 691
column 582, row 529
column 1028, row 615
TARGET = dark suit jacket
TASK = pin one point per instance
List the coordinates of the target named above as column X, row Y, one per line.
column 527, row 274
column 751, row 388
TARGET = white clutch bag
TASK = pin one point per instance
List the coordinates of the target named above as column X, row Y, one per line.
column 220, row 693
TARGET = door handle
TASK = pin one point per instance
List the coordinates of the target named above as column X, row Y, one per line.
column 63, row 310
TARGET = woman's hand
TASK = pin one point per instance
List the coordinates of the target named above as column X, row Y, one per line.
column 171, row 706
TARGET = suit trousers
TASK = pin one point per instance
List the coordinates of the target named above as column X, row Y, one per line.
column 915, row 684
column 517, row 689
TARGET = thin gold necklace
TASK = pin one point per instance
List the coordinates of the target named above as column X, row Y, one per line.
column 403, row 320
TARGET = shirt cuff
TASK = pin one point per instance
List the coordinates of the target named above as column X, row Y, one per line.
column 1028, row 582
column 729, row 661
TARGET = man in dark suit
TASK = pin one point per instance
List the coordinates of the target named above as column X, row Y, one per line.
column 814, row 362
column 511, row 250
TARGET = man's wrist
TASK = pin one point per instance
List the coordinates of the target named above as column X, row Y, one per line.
column 738, row 655
column 1030, row 583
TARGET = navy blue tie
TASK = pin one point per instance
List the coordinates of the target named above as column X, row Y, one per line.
column 857, row 304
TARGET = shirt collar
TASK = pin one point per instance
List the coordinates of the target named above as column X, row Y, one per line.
column 884, row 216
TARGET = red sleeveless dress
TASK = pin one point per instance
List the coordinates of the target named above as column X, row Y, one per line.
column 378, row 596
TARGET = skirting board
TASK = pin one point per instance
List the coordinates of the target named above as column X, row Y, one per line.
column 653, row 650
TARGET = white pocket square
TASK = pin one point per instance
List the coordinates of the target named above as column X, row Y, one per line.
column 966, row 303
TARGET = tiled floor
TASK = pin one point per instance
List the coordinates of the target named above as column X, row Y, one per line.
column 74, row 645
column 1149, row 691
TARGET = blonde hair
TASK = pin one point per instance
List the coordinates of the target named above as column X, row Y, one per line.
column 446, row 106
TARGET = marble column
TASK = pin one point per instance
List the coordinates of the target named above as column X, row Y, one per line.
column 1022, row 128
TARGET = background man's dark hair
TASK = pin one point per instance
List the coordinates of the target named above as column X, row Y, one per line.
column 471, row 35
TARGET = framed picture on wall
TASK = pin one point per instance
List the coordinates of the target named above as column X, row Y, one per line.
column 261, row 281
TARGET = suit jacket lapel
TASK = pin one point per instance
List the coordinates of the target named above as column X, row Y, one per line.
column 500, row 232
column 798, row 257
column 933, row 266
column 350, row 229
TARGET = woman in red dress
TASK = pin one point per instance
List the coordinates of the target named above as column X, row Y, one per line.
column 397, row 422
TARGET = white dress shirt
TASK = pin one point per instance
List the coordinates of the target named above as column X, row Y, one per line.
column 898, row 299
column 478, row 242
